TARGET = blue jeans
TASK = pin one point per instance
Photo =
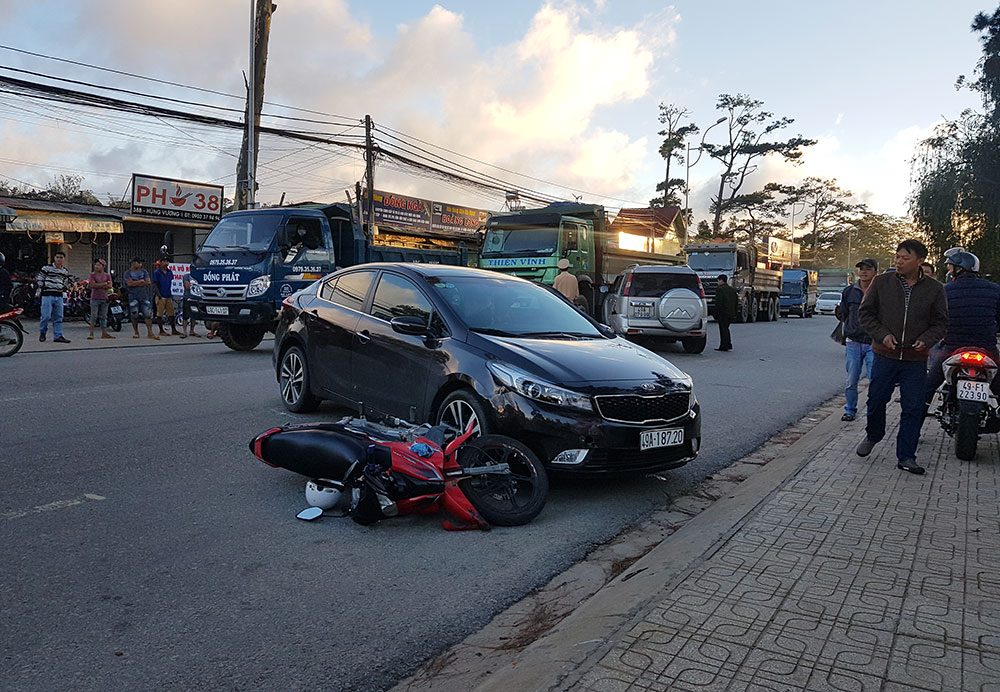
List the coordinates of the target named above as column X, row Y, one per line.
column 52, row 309
column 911, row 376
column 858, row 354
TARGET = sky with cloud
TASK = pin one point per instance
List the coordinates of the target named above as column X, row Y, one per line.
column 563, row 92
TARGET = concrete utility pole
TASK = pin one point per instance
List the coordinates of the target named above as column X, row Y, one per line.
column 370, row 177
column 246, row 169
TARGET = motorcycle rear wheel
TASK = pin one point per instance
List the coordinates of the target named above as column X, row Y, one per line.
column 967, row 436
column 504, row 499
column 11, row 339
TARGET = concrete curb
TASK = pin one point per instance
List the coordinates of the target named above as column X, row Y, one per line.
column 594, row 625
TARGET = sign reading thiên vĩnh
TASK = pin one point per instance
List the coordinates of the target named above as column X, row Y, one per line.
column 167, row 198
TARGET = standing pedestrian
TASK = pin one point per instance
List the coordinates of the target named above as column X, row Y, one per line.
column 187, row 327
column 163, row 281
column 905, row 313
column 100, row 284
column 857, row 344
column 140, row 300
column 726, row 300
column 565, row 282
column 53, row 279
column 928, row 270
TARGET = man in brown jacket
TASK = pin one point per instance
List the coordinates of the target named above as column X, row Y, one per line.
column 905, row 313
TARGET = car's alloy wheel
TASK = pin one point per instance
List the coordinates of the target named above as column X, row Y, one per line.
column 293, row 381
column 459, row 409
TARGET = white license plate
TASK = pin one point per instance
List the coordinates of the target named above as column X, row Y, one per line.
column 115, row 310
column 973, row 391
column 665, row 437
column 217, row 309
column 642, row 310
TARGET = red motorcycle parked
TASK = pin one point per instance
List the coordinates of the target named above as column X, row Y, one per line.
column 391, row 470
column 11, row 332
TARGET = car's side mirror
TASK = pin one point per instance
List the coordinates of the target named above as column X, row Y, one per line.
column 413, row 326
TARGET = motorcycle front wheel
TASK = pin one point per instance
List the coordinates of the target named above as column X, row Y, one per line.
column 11, row 339
column 504, row 499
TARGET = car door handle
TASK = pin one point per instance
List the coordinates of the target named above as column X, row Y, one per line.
column 364, row 337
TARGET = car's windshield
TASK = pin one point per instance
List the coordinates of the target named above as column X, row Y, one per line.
column 830, row 296
column 791, row 288
column 722, row 261
column 540, row 240
column 249, row 231
column 511, row 308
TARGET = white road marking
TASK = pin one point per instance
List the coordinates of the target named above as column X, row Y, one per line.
column 51, row 506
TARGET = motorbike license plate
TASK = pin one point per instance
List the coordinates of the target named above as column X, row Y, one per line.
column 217, row 309
column 973, row 391
column 639, row 310
column 116, row 310
column 665, row 437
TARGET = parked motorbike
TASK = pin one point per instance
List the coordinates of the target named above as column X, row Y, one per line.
column 966, row 407
column 116, row 311
column 387, row 470
column 11, row 332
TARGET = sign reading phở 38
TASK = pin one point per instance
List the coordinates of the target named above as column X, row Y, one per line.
column 175, row 199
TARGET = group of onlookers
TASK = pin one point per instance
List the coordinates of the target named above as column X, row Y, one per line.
column 144, row 291
column 900, row 326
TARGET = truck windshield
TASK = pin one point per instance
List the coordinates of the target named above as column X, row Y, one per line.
column 521, row 241
column 512, row 308
column 250, row 232
column 704, row 261
column 791, row 288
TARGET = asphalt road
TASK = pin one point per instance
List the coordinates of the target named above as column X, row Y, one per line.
column 142, row 546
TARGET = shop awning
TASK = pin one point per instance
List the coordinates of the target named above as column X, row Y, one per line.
column 40, row 222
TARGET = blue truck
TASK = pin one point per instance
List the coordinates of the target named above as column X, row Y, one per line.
column 798, row 292
column 252, row 260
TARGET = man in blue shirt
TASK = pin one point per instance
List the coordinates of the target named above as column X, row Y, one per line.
column 163, row 280
column 140, row 299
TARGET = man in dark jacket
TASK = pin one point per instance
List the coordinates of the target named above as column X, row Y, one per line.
column 904, row 313
column 973, row 317
column 857, row 344
column 725, row 310
column 6, row 286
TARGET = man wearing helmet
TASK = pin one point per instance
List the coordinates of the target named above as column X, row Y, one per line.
column 973, row 317
column 5, row 286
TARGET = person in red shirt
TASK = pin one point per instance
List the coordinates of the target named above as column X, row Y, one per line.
column 100, row 284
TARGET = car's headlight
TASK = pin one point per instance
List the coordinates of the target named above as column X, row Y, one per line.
column 196, row 289
column 532, row 387
column 258, row 286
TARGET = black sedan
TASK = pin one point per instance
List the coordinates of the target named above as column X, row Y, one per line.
column 453, row 345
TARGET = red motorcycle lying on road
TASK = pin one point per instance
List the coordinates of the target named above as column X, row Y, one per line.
column 11, row 332
column 388, row 470
column 966, row 407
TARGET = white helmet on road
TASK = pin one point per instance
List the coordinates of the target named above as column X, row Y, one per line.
column 322, row 494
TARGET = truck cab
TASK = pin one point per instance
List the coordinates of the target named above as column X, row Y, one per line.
column 798, row 292
column 531, row 245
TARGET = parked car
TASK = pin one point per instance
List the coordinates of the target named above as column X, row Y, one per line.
column 667, row 303
column 827, row 303
column 456, row 345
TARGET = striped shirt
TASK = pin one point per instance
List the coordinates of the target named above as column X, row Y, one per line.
column 906, row 290
column 53, row 280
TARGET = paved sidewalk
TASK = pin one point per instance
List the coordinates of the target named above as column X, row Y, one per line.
column 824, row 572
column 77, row 330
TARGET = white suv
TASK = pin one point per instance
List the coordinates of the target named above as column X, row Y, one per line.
column 666, row 303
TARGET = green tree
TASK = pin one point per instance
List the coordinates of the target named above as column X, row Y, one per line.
column 827, row 210
column 755, row 215
column 748, row 142
column 674, row 135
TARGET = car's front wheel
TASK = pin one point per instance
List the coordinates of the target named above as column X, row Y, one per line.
column 462, row 408
column 293, row 381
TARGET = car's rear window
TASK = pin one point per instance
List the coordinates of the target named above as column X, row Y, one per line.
column 830, row 296
column 655, row 285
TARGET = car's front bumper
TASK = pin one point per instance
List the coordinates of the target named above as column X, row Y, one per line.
column 613, row 447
